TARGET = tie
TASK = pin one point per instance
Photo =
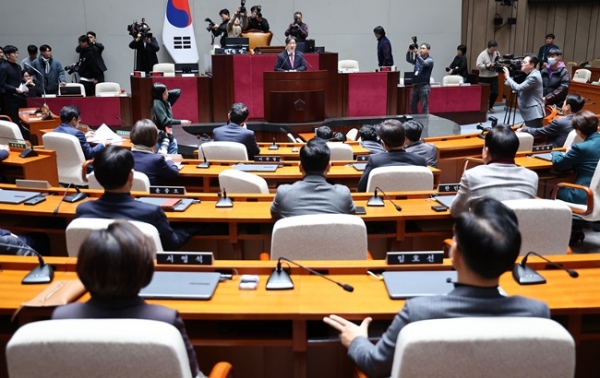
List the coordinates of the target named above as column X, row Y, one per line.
column 292, row 60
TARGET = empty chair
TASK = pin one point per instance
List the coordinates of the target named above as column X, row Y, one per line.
column 525, row 141
column 400, row 178
column 9, row 132
column 108, row 89
column 348, row 66
column 452, row 80
column 352, row 134
column 572, row 138
column 78, row 85
column 235, row 181
column 496, row 347
column 80, row 228
column 167, row 68
column 320, row 237
column 545, row 225
column 340, row 151
column 223, row 151
column 141, row 183
column 69, row 157
column 582, row 75
column 73, row 348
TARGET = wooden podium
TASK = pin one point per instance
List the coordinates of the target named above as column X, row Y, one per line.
column 295, row 97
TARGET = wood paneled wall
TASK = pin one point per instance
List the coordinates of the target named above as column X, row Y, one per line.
column 576, row 26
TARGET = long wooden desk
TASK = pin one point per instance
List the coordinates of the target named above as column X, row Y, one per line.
column 35, row 124
column 41, row 167
column 291, row 320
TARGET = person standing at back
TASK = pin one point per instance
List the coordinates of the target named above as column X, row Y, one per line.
column 162, row 116
column 384, row 48
column 486, row 64
column 421, row 87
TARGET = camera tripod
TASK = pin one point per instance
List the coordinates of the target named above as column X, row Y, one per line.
column 511, row 109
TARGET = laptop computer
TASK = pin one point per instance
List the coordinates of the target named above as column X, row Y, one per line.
column 256, row 167
column 70, row 91
column 183, row 204
column 182, row 285
column 402, row 285
column 16, row 197
column 359, row 166
column 445, row 200
column 546, row 156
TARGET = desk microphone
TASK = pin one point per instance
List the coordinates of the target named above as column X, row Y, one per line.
column 72, row 198
column 274, row 146
column 41, row 274
column 224, row 201
column 123, row 121
column 280, row 279
column 524, row 275
column 378, row 201
column 205, row 164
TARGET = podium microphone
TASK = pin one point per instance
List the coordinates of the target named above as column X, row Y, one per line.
column 280, row 280
column 41, row 274
column 524, row 275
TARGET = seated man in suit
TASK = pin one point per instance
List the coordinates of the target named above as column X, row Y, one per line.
column 392, row 136
column 370, row 140
column 486, row 244
column 312, row 195
column 499, row 178
column 557, row 131
column 324, row 132
column 114, row 171
column 236, row 130
column 415, row 144
column 290, row 60
column 70, row 116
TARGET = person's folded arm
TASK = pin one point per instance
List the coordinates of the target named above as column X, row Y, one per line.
column 461, row 201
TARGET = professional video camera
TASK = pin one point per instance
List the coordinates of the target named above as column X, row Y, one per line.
column 485, row 129
column 514, row 66
column 139, row 28
column 259, row 11
column 72, row 68
column 243, row 6
column 210, row 24
column 414, row 45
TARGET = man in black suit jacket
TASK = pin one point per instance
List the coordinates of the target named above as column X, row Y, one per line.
column 236, row 130
column 486, row 244
column 290, row 60
column 392, row 136
column 557, row 131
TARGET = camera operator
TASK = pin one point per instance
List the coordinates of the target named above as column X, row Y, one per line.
column 146, row 47
column 486, row 63
column 89, row 68
column 297, row 28
column 459, row 64
column 423, row 63
column 257, row 22
column 530, row 91
column 99, row 47
column 556, row 79
column 221, row 29
column 237, row 23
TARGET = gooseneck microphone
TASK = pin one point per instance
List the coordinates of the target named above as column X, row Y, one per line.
column 378, row 201
column 224, row 201
column 280, row 280
column 287, row 56
column 524, row 275
column 41, row 274
column 62, row 199
column 205, row 164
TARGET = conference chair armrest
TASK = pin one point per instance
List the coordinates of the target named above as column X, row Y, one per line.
column 264, row 256
column 84, row 169
column 5, row 117
column 221, row 370
column 369, row 255
column 589, row 193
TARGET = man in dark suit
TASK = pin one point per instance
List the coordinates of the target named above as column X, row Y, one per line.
column 113, row 168
column 312, row 195
column 70, row 117
column 486, row 244
column 392, row 136
column 290, row 60
column 236, row 130
column 557, row 131
column 416, row 145
column 146, row 48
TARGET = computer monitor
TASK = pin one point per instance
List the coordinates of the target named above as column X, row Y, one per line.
column 237, row 43
column 408, row 78
column 187, row 68
column 307, row 46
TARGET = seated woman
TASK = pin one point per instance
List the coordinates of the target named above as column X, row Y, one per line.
column 157, row 167
column 114, row 265
column 162, row 114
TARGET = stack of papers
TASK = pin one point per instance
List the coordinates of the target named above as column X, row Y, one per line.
column 105, row 133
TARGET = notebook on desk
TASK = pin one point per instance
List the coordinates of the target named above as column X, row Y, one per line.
column 359, row 166
column 256, row 167
column 546, row 156
column 182, row 285
column 16, row 197
column 402, row 285
column 445, row 200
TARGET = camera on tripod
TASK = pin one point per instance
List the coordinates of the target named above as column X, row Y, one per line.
column 414, row 45
column 139, row 28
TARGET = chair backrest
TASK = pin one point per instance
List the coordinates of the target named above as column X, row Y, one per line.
column 167, row 68
column 69, row 157
column 452, row 80
column 257, row 39
column 9, row 131
column 79, row 85
column 596, row 63
column 582, row 75
column 141, row 183
column 570, row 66
column 545, row 225
column 572, row 138
column 400, row 178
column 223, row 151
column 493, row 347
column 235, row 181
column 352, row 134
column 525, row 141
column 320, row 237
column 108, row 89
column 340, row 151
column 348, row 65
column 595, row 187
column 73, row 348
column 80, row 228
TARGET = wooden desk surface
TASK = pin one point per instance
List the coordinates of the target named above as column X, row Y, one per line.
column 36, row 124
column 41, row 167
column 125, row 143
column 286, row 151
column 308, row 136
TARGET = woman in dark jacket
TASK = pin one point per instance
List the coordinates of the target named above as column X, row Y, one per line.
column 459, row 64
column 162, row 115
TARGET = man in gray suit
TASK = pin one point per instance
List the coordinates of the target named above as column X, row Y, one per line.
column 530, row 92
column 312, row 195
column 499, row 178
column 414, row 144
column 486, row 244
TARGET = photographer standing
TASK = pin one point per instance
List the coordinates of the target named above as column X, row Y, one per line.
column 257, row 22
column 146, row 47
column 486, row 63
column 221, row 29
column 530, row 91
column 236, row 24
column 422, row 74
column 89, row 69
column 99, row 47
column 297, row 28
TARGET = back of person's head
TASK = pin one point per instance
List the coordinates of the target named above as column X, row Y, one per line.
column 238, row 113
column 488, row 238
column 392, row 133
column 32, row 49
column 324, row 132
column 575, row 101
column 502, row 142
column 84, row 38
column 44, row 48
column 67, row 113
column 158, row 90
column 586, row 122
column 144, row 133
column 338, row 137
column 314, row 156
column 224, row 11
column 491, row 44
column 555, row 51
column 368, row 132
column 10, row 49
column 379, row 30
column 116, row 262
column 462, row 49
column 112, row 167
column 413, row 130
column 533, row 59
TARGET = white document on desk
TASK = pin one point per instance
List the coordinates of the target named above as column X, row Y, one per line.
column 105, row 133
